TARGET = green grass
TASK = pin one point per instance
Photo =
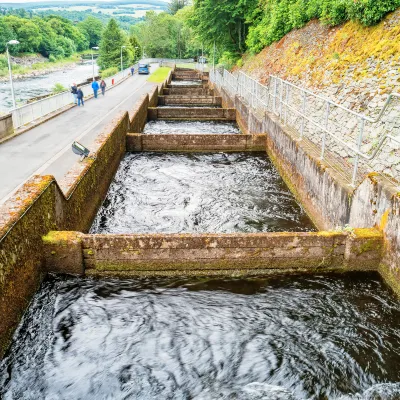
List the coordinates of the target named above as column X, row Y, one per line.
column 159, row 75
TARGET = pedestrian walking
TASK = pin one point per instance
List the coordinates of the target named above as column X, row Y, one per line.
column 132, row 70
column 103, row 87
column 74, row 91
column 95, row 87
column 79, row 95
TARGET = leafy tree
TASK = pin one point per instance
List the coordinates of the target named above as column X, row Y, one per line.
column 6, row 34
column 92, row 28
column 175, row 5
column 111, row 42
column 135, row 47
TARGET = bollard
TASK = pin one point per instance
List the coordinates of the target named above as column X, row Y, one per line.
column 112, row 81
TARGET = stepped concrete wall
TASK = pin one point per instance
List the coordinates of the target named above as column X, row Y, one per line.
column 324, row 193
column 221, row 254
column 6, row 126
column 188, row 100
column 193, row 142
column 201, row 113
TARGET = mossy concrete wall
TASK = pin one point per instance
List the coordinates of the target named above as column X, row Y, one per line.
column 189, row 100
column 190, row 113
column 193, row 142
column 6, row 126
column 166, row 254
column 193, row 91
column 40, row 206
column 324, row 193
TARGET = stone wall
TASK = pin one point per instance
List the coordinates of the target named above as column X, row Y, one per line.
column 198, row 143
column 40, row 206
column 188, row 100
column 188, row 91
column 6, row 126
column 325, row 192
column 201, row 113
column 139, row 115
column 218, row 254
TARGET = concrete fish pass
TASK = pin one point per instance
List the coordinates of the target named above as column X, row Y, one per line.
column 187, row 203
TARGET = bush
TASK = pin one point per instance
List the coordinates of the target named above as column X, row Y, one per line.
column 370, row 12
column 109, row 72
column 52, row 58
column 58, row 88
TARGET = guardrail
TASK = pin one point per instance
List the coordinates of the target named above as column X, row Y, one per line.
column 30, row 112
column 355, row 137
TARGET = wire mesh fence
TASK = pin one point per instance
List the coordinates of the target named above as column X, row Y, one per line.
column 361, row 143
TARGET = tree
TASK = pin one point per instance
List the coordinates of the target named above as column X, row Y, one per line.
column 92, row 28
column 136, row 48
column 175, row 5
column 110, row 47
column 6, row 34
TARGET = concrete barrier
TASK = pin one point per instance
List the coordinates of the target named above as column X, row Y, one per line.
column 195, row 143
column 6, row 126
column 205, row 254
column 201, row 113
column 189, row 100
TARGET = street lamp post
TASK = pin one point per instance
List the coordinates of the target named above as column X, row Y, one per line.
column 93, row 48
column 121, row 58
column 12, row 42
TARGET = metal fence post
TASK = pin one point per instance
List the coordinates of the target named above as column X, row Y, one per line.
column 287, row 102
column 280, row 99
column 303, row 120
column 359, row 141
column 328, row 105
column 275, row 91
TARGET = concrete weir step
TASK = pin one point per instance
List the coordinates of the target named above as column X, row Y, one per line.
column 192, row 113
column 189, row 100
column 204, row 254
column 204, row 142
column 191, row 91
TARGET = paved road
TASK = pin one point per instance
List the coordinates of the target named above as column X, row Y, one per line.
column 46, row 149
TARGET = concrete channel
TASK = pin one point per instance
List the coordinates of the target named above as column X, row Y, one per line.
column 57, row 226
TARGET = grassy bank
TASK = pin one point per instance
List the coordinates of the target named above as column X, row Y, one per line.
column 159, row 75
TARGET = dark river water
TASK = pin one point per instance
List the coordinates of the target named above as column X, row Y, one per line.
column 180, row 192
column 272, row 338
column 185, row 127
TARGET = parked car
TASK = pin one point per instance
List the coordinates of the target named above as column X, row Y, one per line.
column 144, row 69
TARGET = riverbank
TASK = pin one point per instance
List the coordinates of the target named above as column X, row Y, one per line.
column 24, row 69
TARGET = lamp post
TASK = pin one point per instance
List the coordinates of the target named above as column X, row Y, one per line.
column 93, row 48
column 12, row 42
column 121, row 58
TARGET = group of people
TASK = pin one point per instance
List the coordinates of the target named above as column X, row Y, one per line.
column 78, row 95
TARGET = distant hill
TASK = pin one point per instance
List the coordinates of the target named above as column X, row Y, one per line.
column 45, row 4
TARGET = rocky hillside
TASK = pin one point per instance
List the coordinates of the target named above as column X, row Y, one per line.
column 353, row 65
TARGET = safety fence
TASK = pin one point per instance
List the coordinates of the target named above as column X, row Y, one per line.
column 32, row 111
column 364, row 143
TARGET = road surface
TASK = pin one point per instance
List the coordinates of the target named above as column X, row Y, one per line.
column 46, row 149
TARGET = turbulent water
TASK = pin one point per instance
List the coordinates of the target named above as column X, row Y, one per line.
column 185, row 127
column 280, row 337
column 167, row 192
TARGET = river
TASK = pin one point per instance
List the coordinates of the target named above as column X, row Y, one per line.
column 30, row 87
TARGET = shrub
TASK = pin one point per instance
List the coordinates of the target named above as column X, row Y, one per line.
column 109, row 72
column 58, row 88
column 370, row 12
column 52, row 58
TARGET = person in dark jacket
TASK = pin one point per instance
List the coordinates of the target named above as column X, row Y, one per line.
column 74, row 90
column 132, row 70
column 95, row 87
column 80, row 97
column 103, row 87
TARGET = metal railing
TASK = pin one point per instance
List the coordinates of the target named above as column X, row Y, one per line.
column 30, row 112
column 354, row 136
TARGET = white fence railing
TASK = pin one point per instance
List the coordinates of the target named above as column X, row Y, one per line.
column 30, row 112
column 371, row 143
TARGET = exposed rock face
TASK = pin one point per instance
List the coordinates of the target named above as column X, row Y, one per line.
column 354, row 66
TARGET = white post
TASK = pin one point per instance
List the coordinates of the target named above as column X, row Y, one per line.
column 214, row 57
column 93, row 48
column 10, row 72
